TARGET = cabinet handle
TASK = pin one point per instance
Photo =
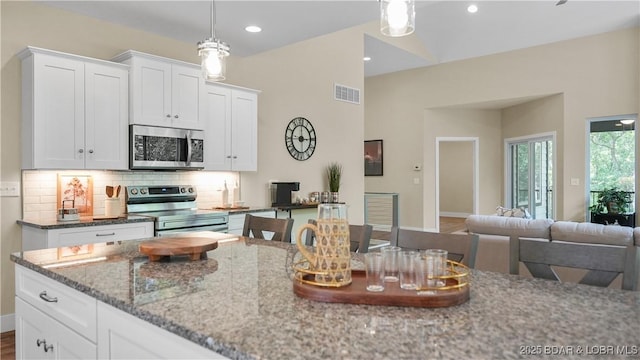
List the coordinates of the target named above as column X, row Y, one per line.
column 109, row 234
column 41, row 342
column 168, row 115
column 48, row 347
column 228, row 156
column 235, row 157
column 47, row 298
column 90, row 151
column 176, row 116
column 81, row 151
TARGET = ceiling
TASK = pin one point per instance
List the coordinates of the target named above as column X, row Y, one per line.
column 444, row 28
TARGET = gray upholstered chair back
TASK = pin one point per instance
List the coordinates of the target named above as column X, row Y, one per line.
column 461, row 248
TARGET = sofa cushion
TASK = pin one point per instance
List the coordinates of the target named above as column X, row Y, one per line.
column 636, row 236
column 583, row 232
column 507, row 226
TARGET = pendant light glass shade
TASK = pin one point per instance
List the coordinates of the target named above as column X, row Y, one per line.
column 397, row 17
column 213, row 53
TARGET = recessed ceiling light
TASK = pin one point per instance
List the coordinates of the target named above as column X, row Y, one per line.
column 367, row 58
column 472, row 8
column 253, row 29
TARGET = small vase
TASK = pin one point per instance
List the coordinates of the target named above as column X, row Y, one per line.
column 335, row 197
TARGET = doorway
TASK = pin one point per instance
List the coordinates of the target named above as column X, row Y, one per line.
column 456, row 177
column 530, row 174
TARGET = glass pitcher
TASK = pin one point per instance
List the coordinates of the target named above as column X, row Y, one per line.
column 332, row 259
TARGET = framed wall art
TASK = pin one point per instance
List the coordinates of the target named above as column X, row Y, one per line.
column 373, row 158
column 77, row 192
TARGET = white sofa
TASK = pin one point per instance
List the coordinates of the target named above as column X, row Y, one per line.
column 494, row 233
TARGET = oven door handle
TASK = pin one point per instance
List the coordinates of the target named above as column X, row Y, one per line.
column 189, row 148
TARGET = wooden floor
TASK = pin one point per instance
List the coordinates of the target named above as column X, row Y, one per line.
column 8, row 345
column 447, row 225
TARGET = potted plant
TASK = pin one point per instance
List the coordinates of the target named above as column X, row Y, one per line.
column 612, row 199
column 334, row 173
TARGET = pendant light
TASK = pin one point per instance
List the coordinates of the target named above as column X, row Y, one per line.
column 213, row 52
column 397, row 17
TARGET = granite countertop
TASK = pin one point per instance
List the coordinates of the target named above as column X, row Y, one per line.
column 85, row 221
column 239, row 302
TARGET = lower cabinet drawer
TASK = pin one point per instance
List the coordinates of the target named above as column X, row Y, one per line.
column 71, row 307
column 95, row 234
column 39, row 336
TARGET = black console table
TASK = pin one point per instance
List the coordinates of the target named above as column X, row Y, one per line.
column 610, row 219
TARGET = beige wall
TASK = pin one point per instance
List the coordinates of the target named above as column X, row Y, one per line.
column 456, row 178
column 295, row 81
column 596, row 75
column 485, row 125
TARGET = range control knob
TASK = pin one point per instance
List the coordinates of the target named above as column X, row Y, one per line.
column 191, row 190
column 134, row 191
column 143, row 191
column 183, row 190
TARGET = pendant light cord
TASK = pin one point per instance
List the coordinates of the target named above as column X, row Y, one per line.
column 213, row 20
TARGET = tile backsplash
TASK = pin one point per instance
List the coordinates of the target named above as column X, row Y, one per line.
column 40, row 187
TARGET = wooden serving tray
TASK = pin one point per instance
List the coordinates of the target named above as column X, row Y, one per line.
column 195, row 247
column 393, row 295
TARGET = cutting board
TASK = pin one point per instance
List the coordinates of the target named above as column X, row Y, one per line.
column 161, row 249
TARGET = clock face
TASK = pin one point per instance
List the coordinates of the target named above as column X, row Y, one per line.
column 300, row 139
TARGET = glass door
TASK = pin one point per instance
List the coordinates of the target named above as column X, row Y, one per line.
column 531, row 176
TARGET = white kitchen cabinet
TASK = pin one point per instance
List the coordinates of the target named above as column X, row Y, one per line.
column 231, row 129
column 236, row 221
column 53, row 321
column 74, row 112
column 123, row 336
column 37, row 238
column 164, row 92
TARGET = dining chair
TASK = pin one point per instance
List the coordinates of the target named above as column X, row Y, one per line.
column 460, row 247
column 255, row 226
column 359, row 236
column 603, row 262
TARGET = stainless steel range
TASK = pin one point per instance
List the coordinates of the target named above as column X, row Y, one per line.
column 174, row 209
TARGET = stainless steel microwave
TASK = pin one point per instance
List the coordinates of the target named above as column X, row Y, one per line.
column 161, row 148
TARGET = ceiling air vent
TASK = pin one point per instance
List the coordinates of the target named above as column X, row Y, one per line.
column 345, row 93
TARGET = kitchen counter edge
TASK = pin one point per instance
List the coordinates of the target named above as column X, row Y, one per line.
column 84, row 222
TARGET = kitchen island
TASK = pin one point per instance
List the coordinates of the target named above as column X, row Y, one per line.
column 239, row 303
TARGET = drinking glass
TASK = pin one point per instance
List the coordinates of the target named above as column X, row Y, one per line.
column 391, row 256
column 408, row 261
column 374, row 266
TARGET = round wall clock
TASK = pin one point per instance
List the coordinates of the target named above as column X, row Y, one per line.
column 300, row 138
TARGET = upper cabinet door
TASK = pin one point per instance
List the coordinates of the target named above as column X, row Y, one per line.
column 150, row 92
column 53, row 113
column 74, row 112
column 165, row 92
column 187, row 94
column 218, row 128
column 244, row 130
column 231, row 129
column 106, row 117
